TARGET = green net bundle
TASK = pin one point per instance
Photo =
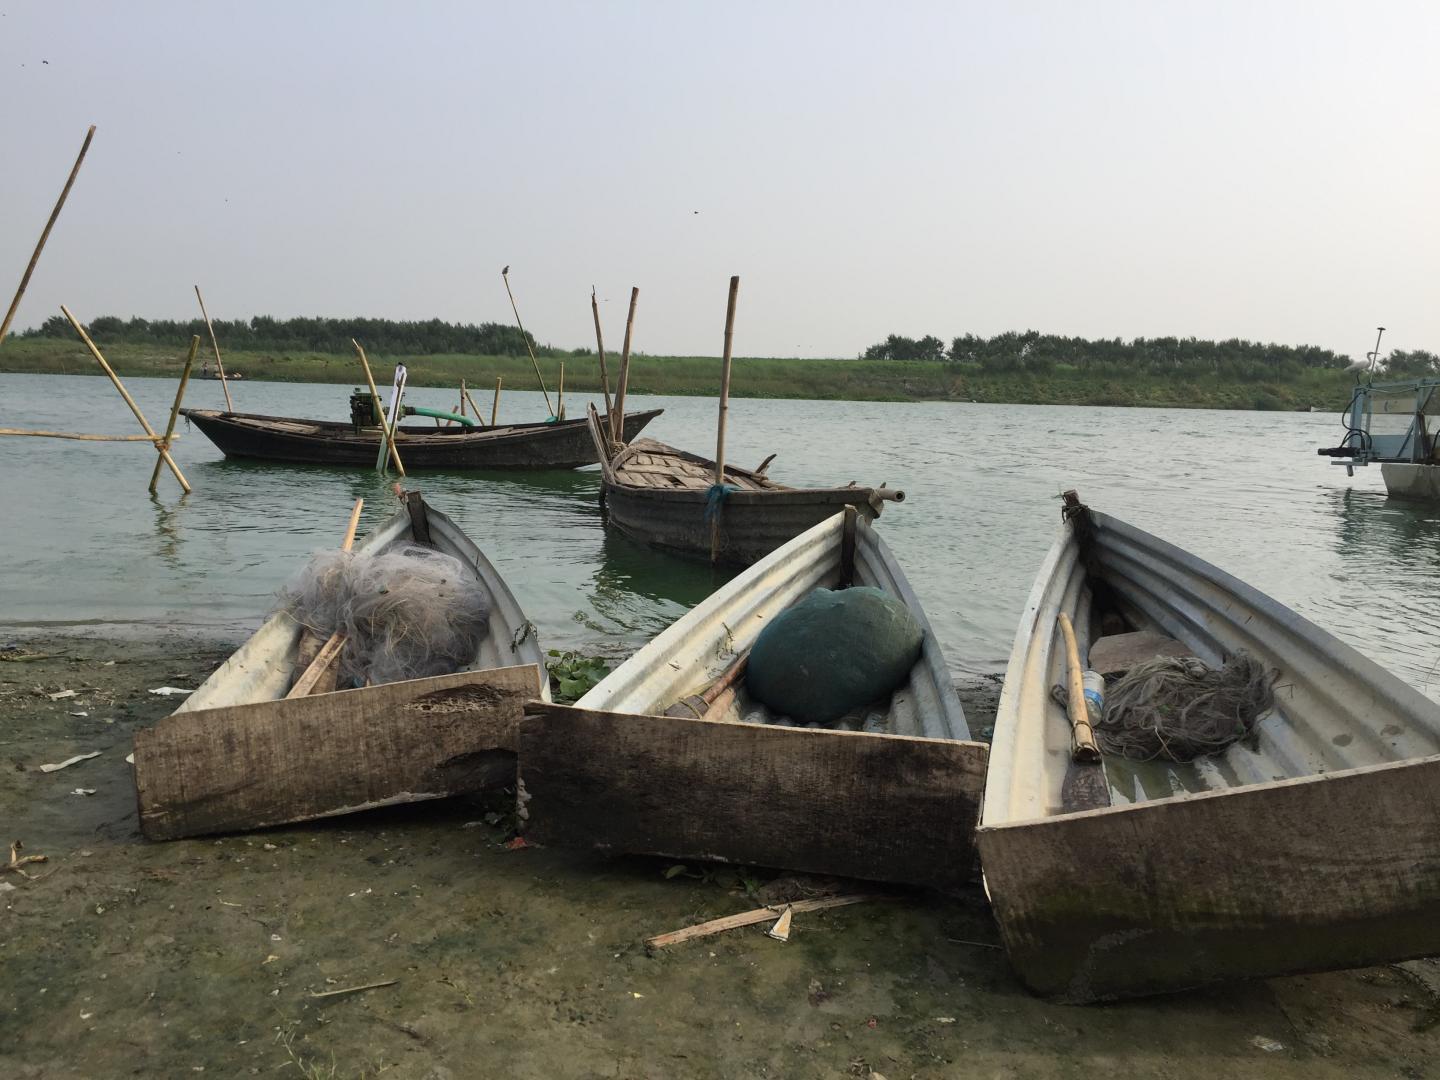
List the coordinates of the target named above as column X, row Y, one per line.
column 833, row 652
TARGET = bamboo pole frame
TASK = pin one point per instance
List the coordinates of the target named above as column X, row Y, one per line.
column 617, row 418
column 45, row 234
column 82, row 436
column 175, row 410
column 600, row 349
column 505, row 275
column 115, row 379
column 375, row 404
column 219, row 364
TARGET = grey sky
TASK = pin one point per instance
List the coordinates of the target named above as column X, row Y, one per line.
column 1259, row 170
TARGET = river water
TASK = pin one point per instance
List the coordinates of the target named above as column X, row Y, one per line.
column 85, row 545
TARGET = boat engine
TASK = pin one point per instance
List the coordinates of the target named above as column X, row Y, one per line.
column 362, row 410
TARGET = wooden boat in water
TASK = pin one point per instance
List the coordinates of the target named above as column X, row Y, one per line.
column 562, row 444
column 1313, row 844
column 239, row 754
column 896, row 800
column 668, row 498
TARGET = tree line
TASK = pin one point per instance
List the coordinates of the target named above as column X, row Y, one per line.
column 318, row 335
column 1039, row 354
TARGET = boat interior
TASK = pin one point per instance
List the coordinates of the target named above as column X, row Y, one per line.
column 1334, row 709
column 690, row 655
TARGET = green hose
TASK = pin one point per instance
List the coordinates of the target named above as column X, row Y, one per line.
column 416, row 410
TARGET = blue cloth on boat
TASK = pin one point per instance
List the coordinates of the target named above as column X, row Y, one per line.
column 717, row 494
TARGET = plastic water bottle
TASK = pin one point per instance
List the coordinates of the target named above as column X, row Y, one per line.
column 1094, row 684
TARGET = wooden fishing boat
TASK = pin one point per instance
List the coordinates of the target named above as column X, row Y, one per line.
column 563, row 444
column 1312, row 844
column 240, row 754
column 668, row 498
column 896, row 800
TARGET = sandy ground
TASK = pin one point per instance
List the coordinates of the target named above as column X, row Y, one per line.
column 126, row 957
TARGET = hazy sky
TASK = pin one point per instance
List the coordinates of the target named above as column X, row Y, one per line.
column 1260, row 170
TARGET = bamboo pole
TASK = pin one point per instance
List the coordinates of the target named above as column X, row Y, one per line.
column 617, row 419
column 460, row 410
column 175, row 409
column 600, row 348
column 115, row 379
column 560, row 394
column 375, row 405
column 505, row 274
column 219, row 364
column 495, row 405
column 475, row 409
column 310, row 669
column 84, row 438
column 724, row 413
column 45, row 234
column 725, row 381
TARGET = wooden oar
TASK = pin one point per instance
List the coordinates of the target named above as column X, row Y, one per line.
column 715, row 697
column 376, row 407
column 317, row 665
column 1084, row 786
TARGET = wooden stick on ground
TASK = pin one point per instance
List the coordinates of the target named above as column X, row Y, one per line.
column 45, row 233
column 115, row 379
column 724, row 413
column 219, row 364
column 759, row 915
column 600, row 348
column 375, row 405
column 495, row 405
column 175, row 409
column 505, row 275
column 617, row 418
column 87, row 438
column 354, row 989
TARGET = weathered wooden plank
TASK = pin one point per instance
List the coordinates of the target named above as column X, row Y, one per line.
column 296, row 759
column 1326, row 872
column 882, row 807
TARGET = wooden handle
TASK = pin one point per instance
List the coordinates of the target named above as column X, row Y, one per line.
column 349, row 541
column 1082, row 746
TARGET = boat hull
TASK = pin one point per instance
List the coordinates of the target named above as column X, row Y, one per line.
column 894, row 805
column 752, row 524
column 565, row 444
column 1312, row 845
column 1408, row 481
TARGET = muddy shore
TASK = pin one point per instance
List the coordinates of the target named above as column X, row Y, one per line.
column 202, row 957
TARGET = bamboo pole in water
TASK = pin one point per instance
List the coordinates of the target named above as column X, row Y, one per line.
column 475, row 409
column 375, row 406
column 617, row 419
column 495, row 405
column 219, row 364
column 175, row 410
column 725, row 382
column 45, row 234
column 724, row 413
column 83, row 437
column 115, row 379
column 505, row 274
column 600, row 348
column 560, row 394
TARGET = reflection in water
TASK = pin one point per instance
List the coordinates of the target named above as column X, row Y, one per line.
column 168, row 541
column 638, row 591
column 1372, row 526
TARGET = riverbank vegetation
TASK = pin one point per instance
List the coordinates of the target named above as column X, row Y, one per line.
column 1009, row 368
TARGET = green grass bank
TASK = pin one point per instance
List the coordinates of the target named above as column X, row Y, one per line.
column 853, row 380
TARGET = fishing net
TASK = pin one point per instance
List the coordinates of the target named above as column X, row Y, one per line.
column 407, row 612
column 1180, row 709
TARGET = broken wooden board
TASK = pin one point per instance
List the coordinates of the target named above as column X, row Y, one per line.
column 296, row 759
column 1118, row 653
column 881, row 807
